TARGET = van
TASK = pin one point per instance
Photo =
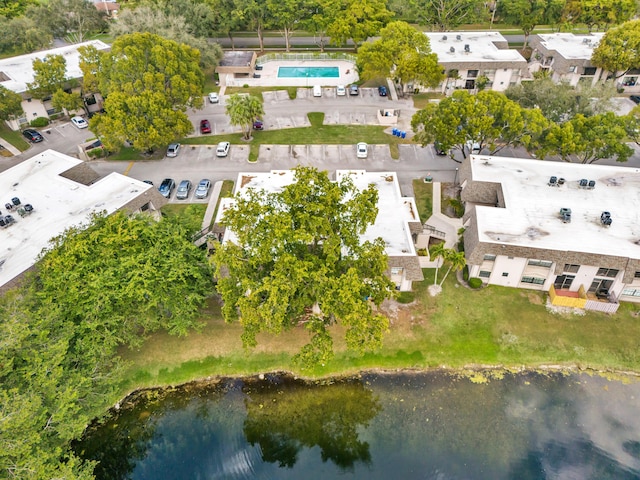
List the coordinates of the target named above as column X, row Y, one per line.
column 317, row 91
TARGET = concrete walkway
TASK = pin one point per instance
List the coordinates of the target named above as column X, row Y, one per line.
column 7, row 146
column 211, row 207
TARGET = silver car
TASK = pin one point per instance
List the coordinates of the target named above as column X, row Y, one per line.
column 202, row 190
column 183, row 190
column 173, row 149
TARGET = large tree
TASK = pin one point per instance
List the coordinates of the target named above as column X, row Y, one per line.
column 619, row 49
column 243, row 110
column 14, row 8
column 149, row 82
column 71, row 19
column 587, row 139
column 285, row 15
column 445, row 15
column 254, row 14
column 10, row 103
column 94, row 289
column 22, row 34
column 355, row 20
column 525, row 14
column 401, row 52
column 169, row 25
column 298, row 258
column 489, row 119
column 599, row 13
column 49, row 76
column 560, row 102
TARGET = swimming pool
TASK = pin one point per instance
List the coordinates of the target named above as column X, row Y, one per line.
column 308, row 72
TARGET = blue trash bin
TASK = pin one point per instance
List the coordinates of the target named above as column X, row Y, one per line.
column 394, row 132
column 404, row 134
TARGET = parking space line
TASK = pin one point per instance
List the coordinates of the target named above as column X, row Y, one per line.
column 129, row 167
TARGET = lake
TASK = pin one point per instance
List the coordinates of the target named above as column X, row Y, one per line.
column 433, row 426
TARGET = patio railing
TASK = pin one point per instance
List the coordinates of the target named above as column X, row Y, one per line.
column 272, row 57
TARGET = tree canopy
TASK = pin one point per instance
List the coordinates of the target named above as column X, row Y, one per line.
column 49, row 76
column 94, row 289
column 298, row 259
column 243, row 111
column 189, row 24
column 71, row 19
column 445, row 15
column 401, row 52
column 355, row 20
column 10, row 103
column 525, row 14
column 619, row 49
column 489, row 119
column 149, row 82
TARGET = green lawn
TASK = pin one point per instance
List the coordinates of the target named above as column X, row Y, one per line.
column 423, row 193
column 257, row 91
column 497, row 326
column 130, row 154
column 421, row 100
column 14, row 138
column 316, row 134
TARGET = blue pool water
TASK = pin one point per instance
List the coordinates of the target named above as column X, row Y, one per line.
column 311, row 72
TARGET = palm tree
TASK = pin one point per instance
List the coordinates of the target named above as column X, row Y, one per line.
column 435, row 253
column 456, row 261
column 243, row 110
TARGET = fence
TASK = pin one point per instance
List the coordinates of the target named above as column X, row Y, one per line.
column 273, row 57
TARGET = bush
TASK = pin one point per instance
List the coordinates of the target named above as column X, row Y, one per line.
column 423, row 252
column 475, row 282
column 39, row 122
column 465, row 273
column 246, row 85
column 406, row 297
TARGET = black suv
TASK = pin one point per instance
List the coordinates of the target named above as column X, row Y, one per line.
column 166, row 187
column 32, row 135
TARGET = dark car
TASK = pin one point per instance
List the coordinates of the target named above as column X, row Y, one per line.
column 635, row 98
column 205, row 126
column 258, row 125
column 32, row 135
column 382, row 91
column 166, row 187
column 183, row 190
column 438, row 148
column 353, row 89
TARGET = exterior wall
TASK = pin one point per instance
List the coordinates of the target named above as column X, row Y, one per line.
column 500, row 76
column 503, row 78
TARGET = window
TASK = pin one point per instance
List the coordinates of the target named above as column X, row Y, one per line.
column 572, row 69
column 600, row 284
column 533, row 280
column 563, row 282
column 630, row 81
column 636, row 275
column 632, row 292
column 492, row 258
column 472, row 73
column 590, row 71
column 540, row 263
column 510, row 258
column 484, row 274
column 607, row 272
column 505, row 274
column 568, row 267
column 489, row 72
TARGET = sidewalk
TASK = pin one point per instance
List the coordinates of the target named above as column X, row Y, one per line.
column 211, row 207
column 7, row 146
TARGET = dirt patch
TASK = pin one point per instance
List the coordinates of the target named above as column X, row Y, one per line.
column 533, row 298
column 451, row 204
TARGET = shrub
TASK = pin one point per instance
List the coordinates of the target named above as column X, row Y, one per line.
column 423, row 252
column 475, row 282
column 246, row 85
column 465, row 273
column 39, row 122
column 406, row 297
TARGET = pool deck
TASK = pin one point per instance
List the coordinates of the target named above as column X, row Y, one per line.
column 269, row 75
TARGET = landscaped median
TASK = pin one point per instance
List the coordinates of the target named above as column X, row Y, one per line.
column 317, row 133
column 494, row 326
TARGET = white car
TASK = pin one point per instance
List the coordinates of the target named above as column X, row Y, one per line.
column 173, row 149
column 79, row 122
column 214, row 98
column 362, row 150
column 222, row 150
column 341, row 90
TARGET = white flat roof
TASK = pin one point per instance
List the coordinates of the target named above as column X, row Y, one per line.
column 394, row 210
column 19, row 69
column 571, row 46
column 481, row 45
column 58, row 203
column 531, row 217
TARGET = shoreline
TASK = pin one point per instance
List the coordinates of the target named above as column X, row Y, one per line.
column 477, row 373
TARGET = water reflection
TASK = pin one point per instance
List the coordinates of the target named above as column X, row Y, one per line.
column 428, row 426
column 285, row 417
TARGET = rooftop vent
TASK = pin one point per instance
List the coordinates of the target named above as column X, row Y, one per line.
column 452, row 49
column 565, row 215
column 586, row 41
column 553, row 182
column 444, row 38
column 583, row 183
column 561, row 181
column 15, row 201
column 467, row 47
column 605, row 219
column 458, row 37
column 591, row 185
